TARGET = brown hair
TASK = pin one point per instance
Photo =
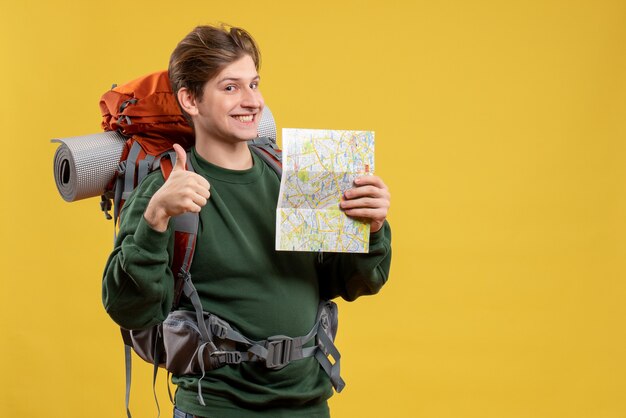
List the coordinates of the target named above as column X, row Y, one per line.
column 204, row 52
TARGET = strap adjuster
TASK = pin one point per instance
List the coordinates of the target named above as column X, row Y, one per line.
column 218, row 327
column 325, row 321
column 185, row 275
column 278, row 351
column 227, row 357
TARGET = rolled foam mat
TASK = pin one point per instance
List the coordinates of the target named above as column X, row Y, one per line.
column 84, row 165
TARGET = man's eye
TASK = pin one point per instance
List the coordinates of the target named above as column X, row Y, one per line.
column 230, row 88
column 254, row 86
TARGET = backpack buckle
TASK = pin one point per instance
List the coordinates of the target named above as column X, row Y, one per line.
column 278, row 351
column 121, row 168
column 106, row 205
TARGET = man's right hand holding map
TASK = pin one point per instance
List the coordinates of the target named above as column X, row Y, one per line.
column 368, row 200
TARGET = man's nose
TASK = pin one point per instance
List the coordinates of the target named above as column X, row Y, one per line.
column 252, row 98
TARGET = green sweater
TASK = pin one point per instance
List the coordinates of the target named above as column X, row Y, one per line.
column 241, row 278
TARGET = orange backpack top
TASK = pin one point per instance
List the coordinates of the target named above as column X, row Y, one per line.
column 146, row 107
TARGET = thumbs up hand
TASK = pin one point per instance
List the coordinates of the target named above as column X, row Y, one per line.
column 181, row 159
column 183, row 191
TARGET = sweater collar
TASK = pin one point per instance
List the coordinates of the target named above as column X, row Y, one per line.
column 207, row 169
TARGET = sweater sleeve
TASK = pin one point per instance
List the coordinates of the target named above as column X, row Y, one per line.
column 138, row 286
column 352, row 275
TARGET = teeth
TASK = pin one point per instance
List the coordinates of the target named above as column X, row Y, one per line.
column 247, row 118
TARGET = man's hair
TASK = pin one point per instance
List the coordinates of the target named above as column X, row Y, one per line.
column 204, row 52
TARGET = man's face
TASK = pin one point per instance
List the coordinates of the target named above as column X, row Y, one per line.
column 231, row 104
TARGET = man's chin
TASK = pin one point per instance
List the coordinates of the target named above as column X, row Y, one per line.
column 246, row 134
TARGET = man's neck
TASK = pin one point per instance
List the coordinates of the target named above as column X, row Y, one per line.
column 232, row 156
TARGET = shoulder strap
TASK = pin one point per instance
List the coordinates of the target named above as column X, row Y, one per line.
column 269, row 152
column 185, row 228
column 185, row 234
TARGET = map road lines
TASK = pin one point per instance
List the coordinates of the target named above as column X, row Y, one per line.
column 318, row 167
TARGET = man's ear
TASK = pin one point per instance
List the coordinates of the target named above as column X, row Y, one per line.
column 187, row 101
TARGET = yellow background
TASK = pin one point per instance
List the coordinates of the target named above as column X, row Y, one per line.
column 500, row 130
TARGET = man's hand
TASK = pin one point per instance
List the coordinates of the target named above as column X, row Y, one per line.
column 184, row 191
column 369, row 200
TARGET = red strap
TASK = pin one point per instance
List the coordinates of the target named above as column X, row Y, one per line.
column 184, row 243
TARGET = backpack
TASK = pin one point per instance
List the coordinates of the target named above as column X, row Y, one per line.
column 147, row 113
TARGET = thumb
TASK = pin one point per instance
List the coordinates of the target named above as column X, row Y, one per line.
column 181, row 158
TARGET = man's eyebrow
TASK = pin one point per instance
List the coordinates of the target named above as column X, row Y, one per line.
column 237, row 79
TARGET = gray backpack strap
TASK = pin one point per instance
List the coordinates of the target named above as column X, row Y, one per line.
column 128, row 363
column 124, row 183
column 144, row 167
column 117, row 197
column 269, row 152
column 168, row 379
column 131, row 162
column 268, row 145
column 156, row 164
column 325, row 336
column 188, row 223
column 155, row 372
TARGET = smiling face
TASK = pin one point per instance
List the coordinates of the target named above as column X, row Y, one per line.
column 231, row 104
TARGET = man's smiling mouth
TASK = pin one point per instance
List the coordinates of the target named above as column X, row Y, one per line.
column 244, row 118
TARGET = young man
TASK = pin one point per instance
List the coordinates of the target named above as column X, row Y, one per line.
column 238, row 274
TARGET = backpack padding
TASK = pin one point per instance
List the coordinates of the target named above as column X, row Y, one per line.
column 267, row 125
